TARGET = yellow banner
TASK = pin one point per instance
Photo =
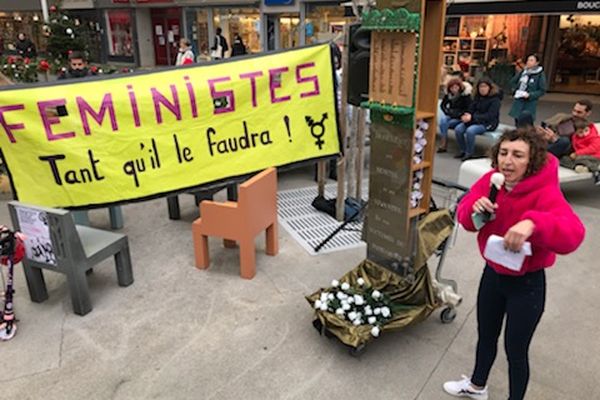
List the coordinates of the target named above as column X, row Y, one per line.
column 142, row 135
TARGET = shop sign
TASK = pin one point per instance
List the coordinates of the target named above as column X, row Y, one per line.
column 137, row 136
column 279, row 2
column 588, row 5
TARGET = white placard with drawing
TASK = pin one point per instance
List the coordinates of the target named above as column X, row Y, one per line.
column 34, row 224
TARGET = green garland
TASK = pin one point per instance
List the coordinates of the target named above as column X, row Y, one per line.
column 389, row 114
column 391, row 20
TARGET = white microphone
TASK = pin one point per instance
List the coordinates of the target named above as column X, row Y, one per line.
column 496, row 182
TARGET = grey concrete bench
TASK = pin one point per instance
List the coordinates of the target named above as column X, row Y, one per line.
column 471, row 170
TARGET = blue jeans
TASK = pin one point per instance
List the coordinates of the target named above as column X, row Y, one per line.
column 465, row 136
column 562, row 147
column 446, row 123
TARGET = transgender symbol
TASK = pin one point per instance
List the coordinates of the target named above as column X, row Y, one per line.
column 317, row 129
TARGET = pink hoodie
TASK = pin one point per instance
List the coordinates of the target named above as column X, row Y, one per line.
column 538, row 198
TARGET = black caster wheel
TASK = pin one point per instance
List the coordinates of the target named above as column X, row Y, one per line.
column 447, row 315
column 357, row 351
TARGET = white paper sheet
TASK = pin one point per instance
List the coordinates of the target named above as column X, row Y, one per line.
column 495, row 251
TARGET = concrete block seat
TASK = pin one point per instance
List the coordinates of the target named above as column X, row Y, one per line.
column 471, row 170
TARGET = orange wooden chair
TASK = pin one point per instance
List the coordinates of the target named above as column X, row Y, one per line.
column 241, row 222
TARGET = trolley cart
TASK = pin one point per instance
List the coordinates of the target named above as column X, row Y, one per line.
column 409, row 297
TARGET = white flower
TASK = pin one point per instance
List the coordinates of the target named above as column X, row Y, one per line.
column 377, row 311
column 385, row 312
column 375, row 331
column 324, row 296
column 359, row 300
column 376, row 294
column 341, row 295
column 335, row 283
column 360, row 281
column 340, row 312
column 69, row 31
column 357, row 321
column 346, row 306
column 318, row 304
column 345, row 286
column 372, row 320
column 352, row 315
column 330, row 296
column 368, row 311
column 323, row 306
column 350, row 299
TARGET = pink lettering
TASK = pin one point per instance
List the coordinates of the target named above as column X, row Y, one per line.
column 252, row 76
column 192, row 95
column 219, row 94
column 158, row 99
column 49, row 120
column 275, row 83
column 85, row 108
column 8, row 128
column 134, row 106
column 314, row 79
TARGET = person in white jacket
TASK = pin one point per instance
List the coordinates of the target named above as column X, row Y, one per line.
column 185, row 55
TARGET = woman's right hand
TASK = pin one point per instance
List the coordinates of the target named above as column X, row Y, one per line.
column 484, row 204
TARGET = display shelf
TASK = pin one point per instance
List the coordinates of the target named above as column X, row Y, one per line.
column 422, row 165
column 424, row 114
column 415, row 212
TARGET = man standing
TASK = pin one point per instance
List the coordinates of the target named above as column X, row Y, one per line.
column 559, row 140
column 78, row 67
column 220, row 47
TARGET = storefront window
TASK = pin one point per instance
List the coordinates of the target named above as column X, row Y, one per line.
column 119, row 33
column 324, row 23
column 239, row 21
column 288, row 31
column 578, row 58
column 200, row 34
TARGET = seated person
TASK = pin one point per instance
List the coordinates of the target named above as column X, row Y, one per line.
column 560, row 145
column 454, row 104
column 483, row 116
column 586, row 150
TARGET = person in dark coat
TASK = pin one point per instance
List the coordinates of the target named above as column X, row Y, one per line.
column 238, row 48
column 528, row 86
column 25, row 47
column 220, row 48
column 483, row 116
column 78, row 67
column 454, row 104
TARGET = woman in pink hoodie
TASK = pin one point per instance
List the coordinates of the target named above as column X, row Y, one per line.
column 529, row 207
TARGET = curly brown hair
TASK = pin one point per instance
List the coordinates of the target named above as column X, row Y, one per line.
column 537, row 148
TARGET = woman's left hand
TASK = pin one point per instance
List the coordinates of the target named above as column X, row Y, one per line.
column 518, row 234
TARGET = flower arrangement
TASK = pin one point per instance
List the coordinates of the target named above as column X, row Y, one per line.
column 359, row 305
column 420, row 142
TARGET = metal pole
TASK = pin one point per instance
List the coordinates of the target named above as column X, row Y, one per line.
column 45, row 14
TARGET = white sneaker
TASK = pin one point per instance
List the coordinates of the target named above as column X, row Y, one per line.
column 463, row 388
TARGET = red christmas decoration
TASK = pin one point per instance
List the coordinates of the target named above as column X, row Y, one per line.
column 53, row 8
column 94, row 69
column 10, row 60
column 26, row 60
column 43, row 65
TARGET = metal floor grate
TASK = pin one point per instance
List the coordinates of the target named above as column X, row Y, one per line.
column 309, row 227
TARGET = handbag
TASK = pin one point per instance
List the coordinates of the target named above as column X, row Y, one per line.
column 218, row 52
